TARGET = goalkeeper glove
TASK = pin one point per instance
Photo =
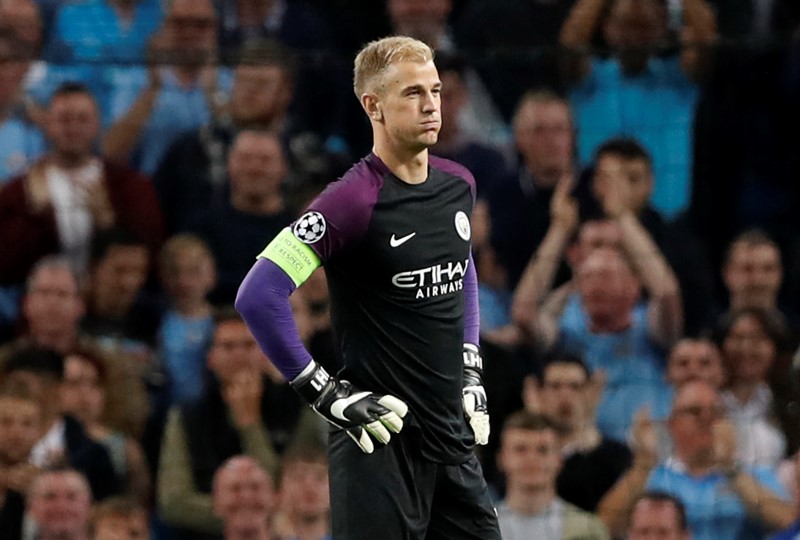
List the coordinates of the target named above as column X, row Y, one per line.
column 359, row 413
column 474, row 395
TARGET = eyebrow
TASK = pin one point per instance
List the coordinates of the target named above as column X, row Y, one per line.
column 436, row 86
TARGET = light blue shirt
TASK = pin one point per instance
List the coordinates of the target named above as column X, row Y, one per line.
column 633, row 364
column 656, row 108
column 182, row 344
column 21, row 144
column 177, row 109
column 91, row 31
column 495, row 307
column 713, row 509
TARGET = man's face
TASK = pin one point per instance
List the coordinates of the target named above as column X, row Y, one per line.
column 749, row 351
column 81, row 392
column 409, row 105
column 22, row 16
column 73, row 124
column 563, row 396
column 243, row 496
column 20, row 428
column 121, row 274
column 530, row 459
column 544, row 137
column 60, row 503
column 256, row 165
column 52, row 302
column 695, row 410
column 234, row 349
column 122, row 527
column 304, row 489
column 260, row 94
column 12, row 71
column 753, row 275
column 592, row 235
column 421, row 19
column 634, row 30
column 606, row 285
column 635, row 173
column 655, row 520
column 695, row 360
column 190, row 31
column 454, row 97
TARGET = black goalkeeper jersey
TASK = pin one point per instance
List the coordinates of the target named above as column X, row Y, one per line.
column 395, row 256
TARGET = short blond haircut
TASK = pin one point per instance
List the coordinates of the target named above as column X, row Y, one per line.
column 181, row 243
column 375, row 57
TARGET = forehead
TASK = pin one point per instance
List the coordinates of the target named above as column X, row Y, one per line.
column 54, row 277
column 562, row 371
column 126, row 254
column 230, row 330
column 696, row 392
column 404, row 73
column 17, row 406
column 529, row 437
column 535, row 112
column 692, row 349
column 257, row 142
column 61, row 481
column 191, row 8
column 744, row 253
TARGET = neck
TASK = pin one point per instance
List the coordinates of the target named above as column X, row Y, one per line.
column 60, row 340
column 187, row 75
column 699, row 464
column 744, row 391
column 313, row 527
column 125, row 8
column 610, row 325
column 411, row 167
column 109, row 307
column 545, row 178
column 260, row 533
column 193, row 308
column 530, row 501
column 70, row 161
column 260, row 205
column 743, row 301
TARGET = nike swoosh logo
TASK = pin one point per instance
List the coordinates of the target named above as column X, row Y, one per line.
column 394, row 242
column 338, row 407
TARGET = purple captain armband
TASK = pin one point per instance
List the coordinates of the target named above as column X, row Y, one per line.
column 263, row 302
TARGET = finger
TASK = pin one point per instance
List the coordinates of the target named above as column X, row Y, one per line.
column 362, row 439
column 392, row 422
column 394, row 404
column 379, row 431
column 469, row 404
column 481, row 428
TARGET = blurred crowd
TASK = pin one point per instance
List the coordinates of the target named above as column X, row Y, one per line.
column 636, row 236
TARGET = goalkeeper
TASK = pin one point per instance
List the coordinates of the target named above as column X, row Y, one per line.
column 407, row 404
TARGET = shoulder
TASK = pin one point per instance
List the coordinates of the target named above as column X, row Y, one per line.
column 357, row 189
column 585, row 521
column 452, row 168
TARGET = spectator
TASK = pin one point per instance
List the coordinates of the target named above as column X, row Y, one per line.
column 544, row 138
column 225, row 422
column 751, row 340
column 567, row 397
column 530, row 458
column 62, row 438
column 151, row 107
column 304, row 497
column 458, row 140
column 52, row 308
column 104, row 31
column 59, row 505
column 193, row 173
column 83, row 395
column 119, row 316
column 244, row 498
column 22, row 18
column 636, row 92
column 722, row 498
column 625, row 161
column 254, row 213
column 20, row 428
column 119, row 518
column 658, row 515
column 793, row 530
column 188, row 274
column 71, row 193
column 21, row 141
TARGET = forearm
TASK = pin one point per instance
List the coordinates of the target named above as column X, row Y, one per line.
column 577, row 31
column 762, row 503
column 121, row 138
column 614, row 508
column 256, row 443
column 472, row 315
column 179, row 501
column 649, row 263
column 538, row 277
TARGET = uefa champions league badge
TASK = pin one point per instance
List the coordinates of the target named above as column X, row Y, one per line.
column 310, row 227
column 462, row 226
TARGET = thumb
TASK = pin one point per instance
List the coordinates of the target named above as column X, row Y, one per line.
column 469, row 404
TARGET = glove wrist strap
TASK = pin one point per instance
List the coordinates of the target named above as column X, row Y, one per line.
column 311, row 382
column 472, row 358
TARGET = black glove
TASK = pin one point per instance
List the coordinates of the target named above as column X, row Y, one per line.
column 474, row 395
column 359, row 413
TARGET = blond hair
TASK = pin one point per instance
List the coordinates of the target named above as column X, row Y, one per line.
column 375, row 57
column 181, row 243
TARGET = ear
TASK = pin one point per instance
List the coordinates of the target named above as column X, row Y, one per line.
column 372, row 107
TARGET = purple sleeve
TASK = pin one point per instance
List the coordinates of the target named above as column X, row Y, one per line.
column 263, row 302
column 472, row 315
